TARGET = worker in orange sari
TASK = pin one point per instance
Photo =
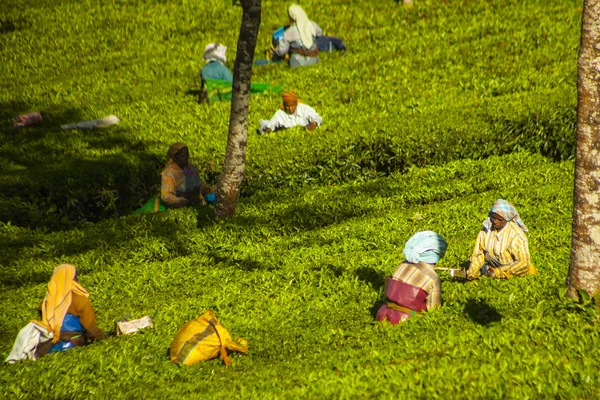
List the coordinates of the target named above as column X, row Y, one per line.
column 67, row 312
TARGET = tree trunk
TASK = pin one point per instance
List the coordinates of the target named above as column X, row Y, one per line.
column 232, row 174
column 584, row 269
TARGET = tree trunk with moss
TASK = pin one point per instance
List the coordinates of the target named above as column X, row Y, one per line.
column 584, row 269
column 232, row 174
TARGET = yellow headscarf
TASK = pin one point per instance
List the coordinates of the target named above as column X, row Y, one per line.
column 58, row 297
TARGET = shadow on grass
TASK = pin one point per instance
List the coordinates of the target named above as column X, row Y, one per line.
column 481, row 312
column 377, row 281
column 205, row 217
column 306, row 217
column 244, row 264
column 8, row 25
column 552, row 135
column 162, row 241
column 196, row 93
column 55, row 179
column 371, row 276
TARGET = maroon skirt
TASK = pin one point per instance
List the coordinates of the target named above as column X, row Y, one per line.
column 411, row 298
column 392, row 316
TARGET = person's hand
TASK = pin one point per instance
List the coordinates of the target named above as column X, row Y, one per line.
column 311, row 126
column 491, row 273
column 267, row 130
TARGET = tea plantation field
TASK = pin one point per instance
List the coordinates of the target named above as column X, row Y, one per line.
column 434, row 113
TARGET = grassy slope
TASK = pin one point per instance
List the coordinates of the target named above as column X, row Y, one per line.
column 298, row 274
column 442, row 81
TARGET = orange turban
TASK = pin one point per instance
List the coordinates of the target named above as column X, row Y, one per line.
column 290, row 98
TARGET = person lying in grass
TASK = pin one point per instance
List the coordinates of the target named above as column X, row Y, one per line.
column 298, row 40
column 293, row 113
column 181, row 183
column 414, row 286
column 67, row 313
column 501, row 249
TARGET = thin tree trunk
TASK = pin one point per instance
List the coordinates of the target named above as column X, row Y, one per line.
column 584, row 269
column 232, row 174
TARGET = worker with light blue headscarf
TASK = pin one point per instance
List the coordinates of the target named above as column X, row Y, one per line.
column 414, row 286
column 501, row 248
column 425, row 246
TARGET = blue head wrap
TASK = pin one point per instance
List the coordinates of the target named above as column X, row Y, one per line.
column 426, row 246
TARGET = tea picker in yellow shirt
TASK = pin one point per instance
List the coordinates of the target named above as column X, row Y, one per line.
column 501, row 249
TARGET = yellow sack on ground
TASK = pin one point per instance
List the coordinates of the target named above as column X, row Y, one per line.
column 202, row 339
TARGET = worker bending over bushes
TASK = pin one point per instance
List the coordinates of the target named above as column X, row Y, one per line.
column 299, row 40
column 68, row 312
column 414, row 286
column 215, row 68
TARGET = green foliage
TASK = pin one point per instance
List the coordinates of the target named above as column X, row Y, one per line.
column 420, row 122
column 300, row 276
column 423, row 86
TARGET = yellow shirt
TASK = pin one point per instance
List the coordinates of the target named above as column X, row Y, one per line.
column 509, row 246
column 421, row 275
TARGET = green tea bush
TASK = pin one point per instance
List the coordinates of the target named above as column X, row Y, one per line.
column 421, row 86
column 300, row 275
column 421, row 120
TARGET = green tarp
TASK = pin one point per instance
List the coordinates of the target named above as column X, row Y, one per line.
column 154, row 204
column 217, row 90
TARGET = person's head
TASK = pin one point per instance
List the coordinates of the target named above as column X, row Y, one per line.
column 501, row 213
column 179, row 153
column 215, row 52
column 290, row 101
column 296, row 12
column 425, row 246
column 65, row 272
column 498, row 221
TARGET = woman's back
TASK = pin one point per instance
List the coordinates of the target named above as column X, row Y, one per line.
column 292, row 36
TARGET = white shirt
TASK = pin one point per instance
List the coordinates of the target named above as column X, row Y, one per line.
column 303, row 116
column 28, row 339
column 291, row 38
